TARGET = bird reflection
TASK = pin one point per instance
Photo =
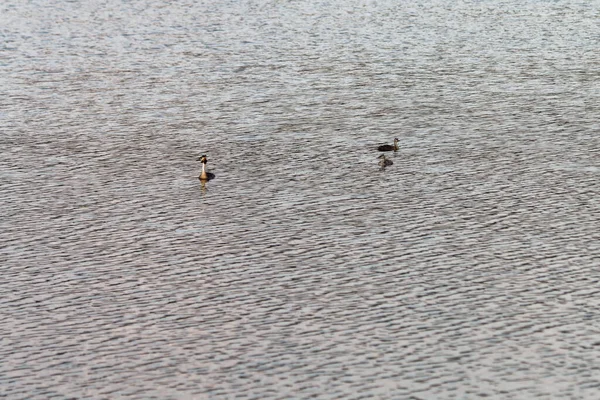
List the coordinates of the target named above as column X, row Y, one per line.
column 203, row 187
column 384, row 162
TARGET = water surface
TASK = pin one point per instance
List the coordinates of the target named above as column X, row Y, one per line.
column 467, row 269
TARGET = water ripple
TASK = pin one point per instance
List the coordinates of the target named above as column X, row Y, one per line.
column 466, row 269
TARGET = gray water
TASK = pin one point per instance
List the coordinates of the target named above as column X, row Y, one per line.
column 467, row 269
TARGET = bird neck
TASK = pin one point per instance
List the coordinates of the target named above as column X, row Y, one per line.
column 203, row 174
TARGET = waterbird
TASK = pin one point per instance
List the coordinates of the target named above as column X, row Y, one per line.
column 384, row 161
column 389, row 147
column 205, row 175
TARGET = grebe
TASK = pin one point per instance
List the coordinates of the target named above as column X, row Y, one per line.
column 205, row 176
column 384, row 161
column 389, row 147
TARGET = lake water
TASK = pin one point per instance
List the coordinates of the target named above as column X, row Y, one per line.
column 467, row 269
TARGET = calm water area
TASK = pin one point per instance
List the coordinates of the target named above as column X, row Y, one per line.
column 469, row 268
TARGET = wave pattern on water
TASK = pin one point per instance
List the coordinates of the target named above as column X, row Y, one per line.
column 469, row 268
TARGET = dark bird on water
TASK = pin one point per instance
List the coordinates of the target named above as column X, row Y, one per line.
column 389, row 147
column 205, row 175
column 384, row 161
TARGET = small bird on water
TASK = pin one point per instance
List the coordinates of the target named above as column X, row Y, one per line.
column 384, row 161
column 389, row 147
column 205, row 175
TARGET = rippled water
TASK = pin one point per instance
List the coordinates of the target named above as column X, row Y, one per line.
column 467, row 269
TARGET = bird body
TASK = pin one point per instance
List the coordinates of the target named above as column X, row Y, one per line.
column 205, row 175
column 389, row 147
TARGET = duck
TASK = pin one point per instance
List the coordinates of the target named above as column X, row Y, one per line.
column 204, row 175
column 384, row 161
column 389, row 147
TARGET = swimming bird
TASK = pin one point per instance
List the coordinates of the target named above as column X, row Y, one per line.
column 384, row 161
column 205, row 176
column 389, row 147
